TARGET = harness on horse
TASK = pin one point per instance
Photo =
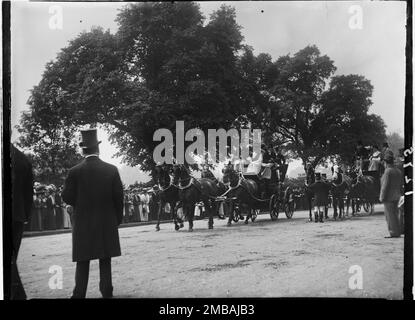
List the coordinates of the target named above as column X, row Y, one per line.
column 242, row 178
column 168, row 187
column 191, row 182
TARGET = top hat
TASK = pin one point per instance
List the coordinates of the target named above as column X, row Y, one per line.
column 388, row 157
column 89, row 138
column 317, row 175
column 40, row 189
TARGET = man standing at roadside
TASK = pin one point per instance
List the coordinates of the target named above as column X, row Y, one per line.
column 22, row 200
column 390, row 192
column 320, row 190
column 94, row 189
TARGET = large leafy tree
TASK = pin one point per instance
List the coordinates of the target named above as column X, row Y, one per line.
column 313, row 113
column 188, row 67
column 164, row 64
column 167, row 62
column 52, row 151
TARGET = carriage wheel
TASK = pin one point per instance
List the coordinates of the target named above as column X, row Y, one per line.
column 289, row 209
column 236, row 215
column 226, row 208
column 254, row 214
column 233, row 209
column 179, row 212
column 274, row 207
column 366, row 206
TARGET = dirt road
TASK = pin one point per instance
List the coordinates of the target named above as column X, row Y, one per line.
column 293, row 258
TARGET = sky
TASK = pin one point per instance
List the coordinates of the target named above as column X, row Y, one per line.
column 376, row 50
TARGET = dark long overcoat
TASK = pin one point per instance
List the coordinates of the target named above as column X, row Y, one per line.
column 22, row 186
column 94, row 189
column 321, row 193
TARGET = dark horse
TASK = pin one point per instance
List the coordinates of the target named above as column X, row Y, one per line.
column 339, row 185
column 221, row 188
column 243, row 190
column 168, row 193
column 362, row 191
column 310, row 179
column 192, row 191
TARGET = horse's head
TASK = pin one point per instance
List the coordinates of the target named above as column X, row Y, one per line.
column 161, row 174
column 337, row 177
column 157, row 172
column 230, row 176
column 353, row 175
column 180, row 172
column 310, row 175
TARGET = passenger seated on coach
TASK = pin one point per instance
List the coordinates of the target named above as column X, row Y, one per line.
column 253, row 167
column 280, row 163
column 309, row 174
column 361, row 157
column 269, row 159
column 207, row 173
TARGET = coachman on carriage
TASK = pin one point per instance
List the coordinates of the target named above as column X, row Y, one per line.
column 257, row 185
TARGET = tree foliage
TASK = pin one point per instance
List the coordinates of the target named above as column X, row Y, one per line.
column 313, row 113
column 51, row 151
column 167, row 62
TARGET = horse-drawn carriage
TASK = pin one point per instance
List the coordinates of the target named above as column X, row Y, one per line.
column 248, row 193
column 240, row 193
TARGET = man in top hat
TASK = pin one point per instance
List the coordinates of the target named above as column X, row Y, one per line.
column 390, row 192
column 281, row 167
column 22, row 200
column 374, row 166
column 94, row 189
column 321, row 196
column 267, row 173
column 385, row 149
column 207, row 173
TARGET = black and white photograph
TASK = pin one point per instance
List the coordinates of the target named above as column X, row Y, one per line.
column 235, row 149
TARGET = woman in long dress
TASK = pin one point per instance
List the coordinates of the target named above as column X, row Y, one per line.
column 36, row 219
column 145, row 198
column 66, row 217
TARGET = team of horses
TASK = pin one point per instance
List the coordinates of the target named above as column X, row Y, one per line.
column 351, row 189
column 178, row 188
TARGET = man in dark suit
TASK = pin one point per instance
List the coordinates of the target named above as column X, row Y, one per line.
column 22, row 200
column 94, row 189
column 390, row 192
column 320, row 190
